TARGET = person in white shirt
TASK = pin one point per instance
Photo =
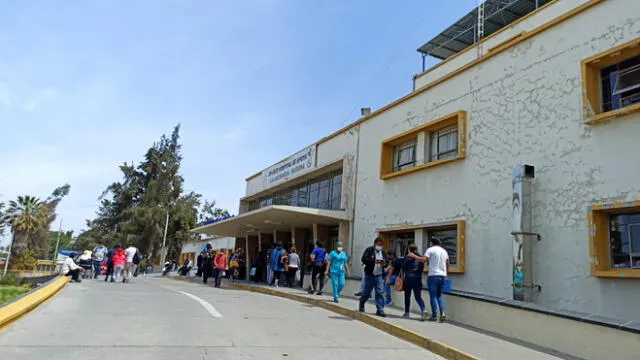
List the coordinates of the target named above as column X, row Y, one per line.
column 438, row 260
column 129, row 267
column 70, row 268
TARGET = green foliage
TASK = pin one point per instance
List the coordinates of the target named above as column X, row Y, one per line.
column 10, row 280
column 135, row 209
column 24, row 261
column 66, row 241
column 8, row 293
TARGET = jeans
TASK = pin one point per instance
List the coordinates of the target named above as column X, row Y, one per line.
column 373, row 282
column 362, row 284
column 317, row 274
column 413, row 284
column 388, row 287
column 96, row 268
column 337, row 283
column 435, row 284
column 269, row 274
column 117, row 270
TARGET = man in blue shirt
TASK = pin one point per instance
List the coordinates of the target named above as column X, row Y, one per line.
column 318, row 257
column 277, row 265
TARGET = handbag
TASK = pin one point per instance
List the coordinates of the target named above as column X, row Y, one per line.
column 399, row 284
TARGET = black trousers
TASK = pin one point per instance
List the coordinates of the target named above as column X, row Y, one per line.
column 277, row 274
column 206, row 274
column 75, row 274
column 291, row 276
column 317, row 274
column 109, row 271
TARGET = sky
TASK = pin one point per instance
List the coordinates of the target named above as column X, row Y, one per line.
column 88, row 85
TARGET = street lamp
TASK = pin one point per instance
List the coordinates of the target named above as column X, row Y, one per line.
column 164, row 239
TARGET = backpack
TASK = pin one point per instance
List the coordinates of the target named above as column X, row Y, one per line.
column 136, row 258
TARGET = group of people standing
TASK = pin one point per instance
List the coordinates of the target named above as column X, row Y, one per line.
column 119, row 263
column 212, row 263
column 381, row 272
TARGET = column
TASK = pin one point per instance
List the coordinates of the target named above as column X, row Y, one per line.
column 314, row 229
column 344, row 234
column 294, row 237
column 259, row 241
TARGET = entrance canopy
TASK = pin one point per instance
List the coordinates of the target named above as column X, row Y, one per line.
column 270, row 218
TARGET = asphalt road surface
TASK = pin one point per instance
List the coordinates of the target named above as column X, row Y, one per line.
column 156, row 318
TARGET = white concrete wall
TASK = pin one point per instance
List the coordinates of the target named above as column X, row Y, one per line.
column 524, row 107
column 220, row 243
column 544, row 15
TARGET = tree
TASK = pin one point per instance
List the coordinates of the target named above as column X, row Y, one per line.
column 135, row 208
column 41, row 242
column 26, row 216
column 66, row 241
column 4, row 218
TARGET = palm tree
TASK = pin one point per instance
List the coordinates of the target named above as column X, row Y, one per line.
column 26, row 215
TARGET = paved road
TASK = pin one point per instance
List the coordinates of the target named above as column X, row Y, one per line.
column 158, row 319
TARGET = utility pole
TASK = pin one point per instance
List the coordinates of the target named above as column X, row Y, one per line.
column 164, row 240
column 6, row 261
column 55, row 254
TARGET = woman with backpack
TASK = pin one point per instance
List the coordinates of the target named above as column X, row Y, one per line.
column 119, row 260
column 278, row 264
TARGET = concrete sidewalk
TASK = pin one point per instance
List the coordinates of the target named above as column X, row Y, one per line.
column 448, row 340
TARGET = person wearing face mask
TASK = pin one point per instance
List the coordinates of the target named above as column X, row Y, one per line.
column 337, row 266
column 375, row 261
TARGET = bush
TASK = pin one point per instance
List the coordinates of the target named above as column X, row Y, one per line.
column 25, row 261
column 10, row 280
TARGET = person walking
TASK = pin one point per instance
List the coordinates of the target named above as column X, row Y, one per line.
column 129, row 267
column 293, row 265
column 110, row 254
column 277, row 258
column 220, row 266
column 395, row 266
column 269, row 260
column 374, row 260
column 119, row 261
column 207, row 267
column 438, row 259
column 318, row 257
column 337, row 266
column 199, row 264
column 99, row 253
column 412, row 270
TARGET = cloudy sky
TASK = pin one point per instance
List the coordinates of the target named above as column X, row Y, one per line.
column 87, row 85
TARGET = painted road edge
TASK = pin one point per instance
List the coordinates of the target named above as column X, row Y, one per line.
column 21, row 306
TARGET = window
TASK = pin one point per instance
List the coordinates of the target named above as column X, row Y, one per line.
column 611, row 82
column 448, row 240
column 451, row 235
column 444, row 143
column 437, row 142
column 614, row 239
column 404, row 155
column 621, row 84
column 624, row 235
column 336, row 191
column 400, row 242
column 320, row 193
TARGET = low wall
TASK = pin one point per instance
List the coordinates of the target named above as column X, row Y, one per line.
column 21, row 305
column 580, row 335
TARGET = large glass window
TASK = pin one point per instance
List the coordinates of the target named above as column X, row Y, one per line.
column 321, row 193
column 624, row 237
column 336, row 191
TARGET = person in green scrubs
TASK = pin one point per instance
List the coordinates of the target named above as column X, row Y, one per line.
column 337, row 267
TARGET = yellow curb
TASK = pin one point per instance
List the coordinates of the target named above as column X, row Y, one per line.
column 436, row 347
column 14, row 310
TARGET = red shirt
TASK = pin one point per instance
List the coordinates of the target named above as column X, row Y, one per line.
column 220, row 261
